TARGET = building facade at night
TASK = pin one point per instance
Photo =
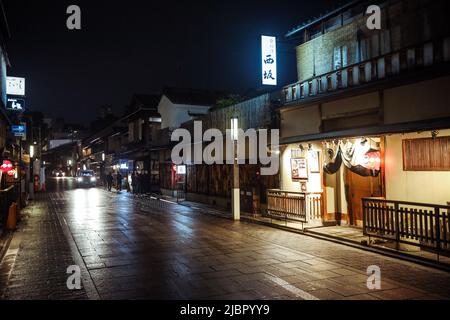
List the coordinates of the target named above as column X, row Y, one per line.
column 212, row 184
column 4, row 62
column 4, row 119
column 369, row 118
column 177, row 106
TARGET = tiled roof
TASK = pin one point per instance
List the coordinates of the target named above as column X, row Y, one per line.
column 192, row 96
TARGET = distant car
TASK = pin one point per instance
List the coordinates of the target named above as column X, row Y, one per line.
column 60, row 174
column 86, row 178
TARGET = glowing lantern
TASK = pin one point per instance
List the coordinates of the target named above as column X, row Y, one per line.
column 373, row 160
column 6, row 166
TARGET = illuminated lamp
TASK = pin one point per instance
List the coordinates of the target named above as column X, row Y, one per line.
column 6, row 166
column 373, row 160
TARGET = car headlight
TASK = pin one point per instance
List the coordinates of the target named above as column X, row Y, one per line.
column 80, row 179
column 93, row 179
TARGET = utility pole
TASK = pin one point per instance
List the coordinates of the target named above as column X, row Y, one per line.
column 236, row 192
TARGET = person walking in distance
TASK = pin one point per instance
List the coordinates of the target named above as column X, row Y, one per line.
column 119, row 181
column 109, row 181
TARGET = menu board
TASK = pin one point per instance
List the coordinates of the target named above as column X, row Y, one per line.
column 299, row 169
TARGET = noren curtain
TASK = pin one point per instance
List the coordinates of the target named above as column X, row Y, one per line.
column 352, row 154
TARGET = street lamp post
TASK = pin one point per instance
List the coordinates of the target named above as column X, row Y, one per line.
column 235, row 195
column 31, row 173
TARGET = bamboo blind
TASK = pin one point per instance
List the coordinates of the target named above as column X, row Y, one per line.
column 427, row 154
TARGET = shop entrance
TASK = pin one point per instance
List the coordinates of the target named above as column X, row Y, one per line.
column 360, row 187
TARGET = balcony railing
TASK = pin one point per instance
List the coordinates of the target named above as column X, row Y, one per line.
column 296, row 206
column 420, row 224
column 379, row 68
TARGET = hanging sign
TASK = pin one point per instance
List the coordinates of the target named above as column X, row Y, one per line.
column 19, row 130
column 15, row 104
column 269, row 60
column 15, row 86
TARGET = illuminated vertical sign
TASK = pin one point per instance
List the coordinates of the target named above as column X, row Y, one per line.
column 269, row 60
column 15, row 86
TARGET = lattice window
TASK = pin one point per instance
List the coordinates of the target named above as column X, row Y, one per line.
column 426, row 154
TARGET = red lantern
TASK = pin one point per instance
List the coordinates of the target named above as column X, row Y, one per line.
column 373, row 160
column 6, row 166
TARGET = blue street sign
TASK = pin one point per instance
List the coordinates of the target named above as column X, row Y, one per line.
column 19, row 130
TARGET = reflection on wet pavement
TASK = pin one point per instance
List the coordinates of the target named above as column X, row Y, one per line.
column 134, row 248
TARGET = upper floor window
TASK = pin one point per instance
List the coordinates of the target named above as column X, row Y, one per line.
column 340, row 57
column 426, row 154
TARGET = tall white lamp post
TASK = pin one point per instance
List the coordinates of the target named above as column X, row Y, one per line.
column 235, row 196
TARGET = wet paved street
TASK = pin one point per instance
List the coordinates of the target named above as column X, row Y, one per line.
column 130, row 248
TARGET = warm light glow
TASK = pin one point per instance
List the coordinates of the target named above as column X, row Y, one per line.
column 373, row 159
column 181, row 169
column 6, row 166
column 31, row 151
column 103, row 157
column 86, row 207
column 234, row 129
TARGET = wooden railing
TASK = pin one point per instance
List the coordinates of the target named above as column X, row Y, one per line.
column 297, row 206
column 377, row 68
column 420, row 224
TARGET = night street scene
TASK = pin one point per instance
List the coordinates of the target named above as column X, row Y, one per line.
column 225, row 155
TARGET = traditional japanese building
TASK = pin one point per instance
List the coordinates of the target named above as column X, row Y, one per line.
column 212, row 184
column 140, row 153
column 177, row 106
column 369, row 117
column 4, row 62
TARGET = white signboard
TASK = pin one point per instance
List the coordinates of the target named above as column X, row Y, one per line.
column 15, row 86
column 269, row 60
column 181, row 169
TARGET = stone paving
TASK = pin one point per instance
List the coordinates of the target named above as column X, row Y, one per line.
column 34, row 265
column 131, row 248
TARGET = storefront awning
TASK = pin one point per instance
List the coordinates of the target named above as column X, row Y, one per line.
column 425, row 125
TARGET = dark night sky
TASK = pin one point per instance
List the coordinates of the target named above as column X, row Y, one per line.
column 140, row 46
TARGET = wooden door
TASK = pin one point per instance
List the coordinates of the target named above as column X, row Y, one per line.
column 361, row 187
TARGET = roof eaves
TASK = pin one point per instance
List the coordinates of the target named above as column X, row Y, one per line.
column 322, row 17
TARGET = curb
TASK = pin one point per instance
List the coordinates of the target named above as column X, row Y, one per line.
column 349, row 243
column 5, row 241
column 345, row 242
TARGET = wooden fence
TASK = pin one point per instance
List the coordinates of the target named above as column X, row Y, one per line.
column 420, row 224
column 296, row 206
